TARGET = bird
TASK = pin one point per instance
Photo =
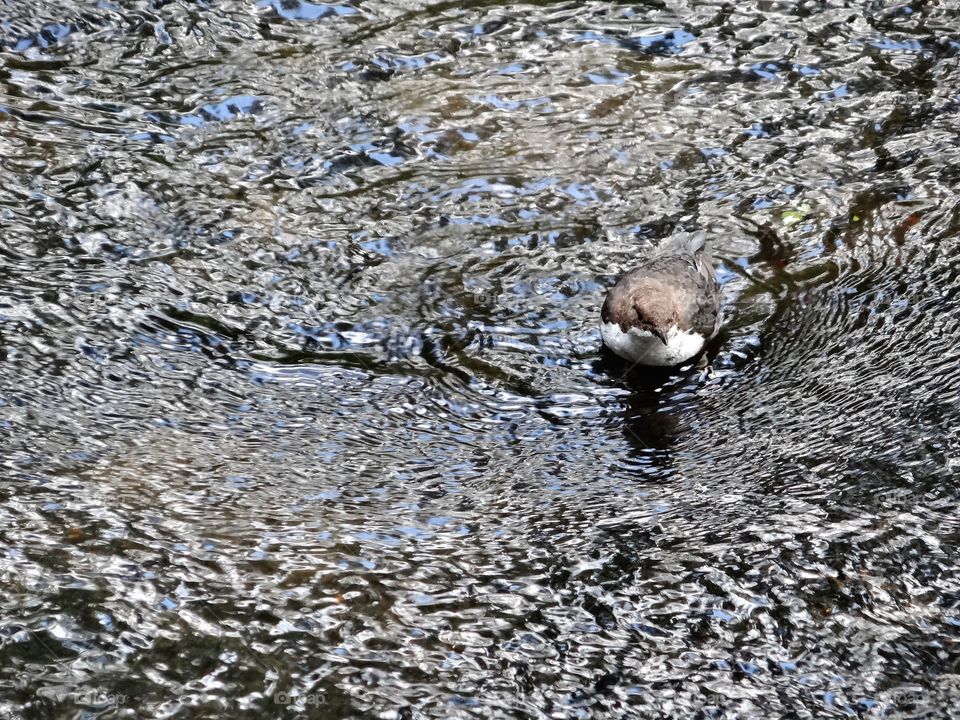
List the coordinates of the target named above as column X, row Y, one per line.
column 664, row 311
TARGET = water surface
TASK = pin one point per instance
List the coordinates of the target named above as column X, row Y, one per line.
column 301, row 393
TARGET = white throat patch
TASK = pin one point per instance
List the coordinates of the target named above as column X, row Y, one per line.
column 645, row 348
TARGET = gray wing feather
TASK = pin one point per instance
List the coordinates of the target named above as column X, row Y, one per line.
column 706, row 314
column 700, row 282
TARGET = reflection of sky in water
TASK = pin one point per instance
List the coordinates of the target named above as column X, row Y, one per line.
column 301, row 10
column 228, row 109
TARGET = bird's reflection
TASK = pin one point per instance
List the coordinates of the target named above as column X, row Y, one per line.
column 651, row 419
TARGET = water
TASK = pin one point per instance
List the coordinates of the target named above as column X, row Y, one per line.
column 302, row 400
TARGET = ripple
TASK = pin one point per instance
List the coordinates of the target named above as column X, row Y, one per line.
column 303, row 402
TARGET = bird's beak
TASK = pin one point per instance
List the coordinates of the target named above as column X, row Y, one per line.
column 660, row 334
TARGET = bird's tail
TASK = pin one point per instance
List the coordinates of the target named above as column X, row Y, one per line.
column 684, row 244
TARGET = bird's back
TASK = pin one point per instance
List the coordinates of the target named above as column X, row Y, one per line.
column 682, row 267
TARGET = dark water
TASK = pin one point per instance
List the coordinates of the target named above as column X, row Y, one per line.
column 302, row 405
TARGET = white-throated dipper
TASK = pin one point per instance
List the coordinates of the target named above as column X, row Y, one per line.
column 665, row 310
